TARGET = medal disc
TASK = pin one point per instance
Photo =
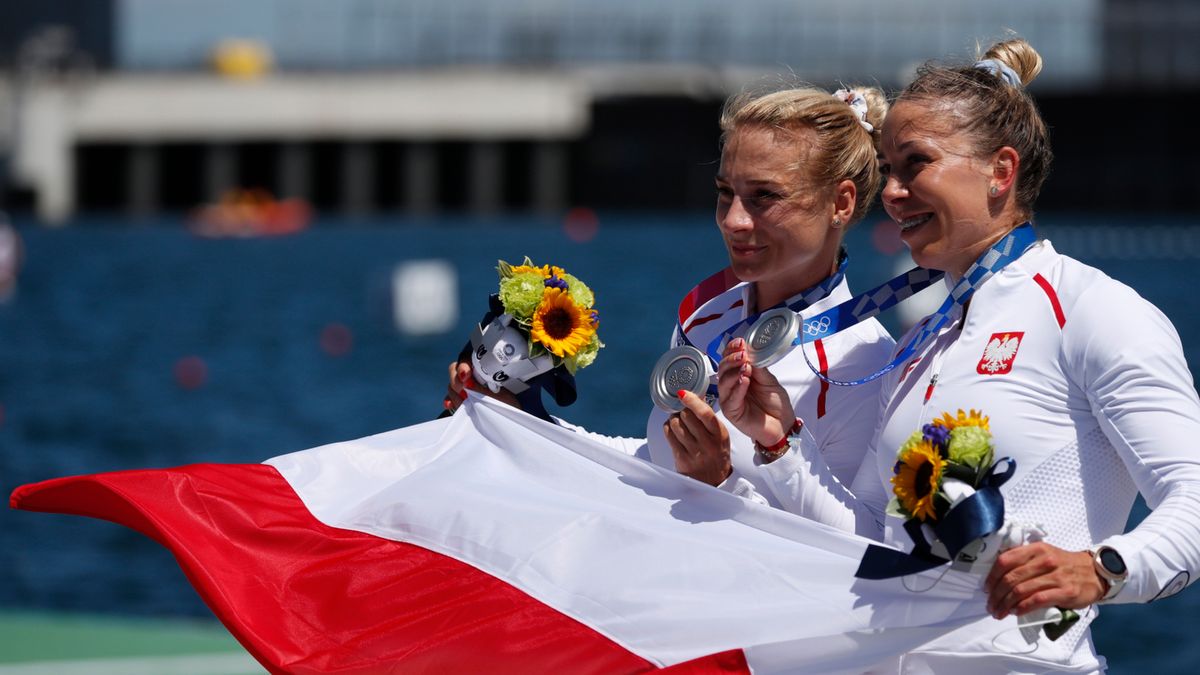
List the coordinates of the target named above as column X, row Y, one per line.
column 684, row 368
column 770, row 337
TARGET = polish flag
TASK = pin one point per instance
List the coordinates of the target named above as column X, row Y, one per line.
column 491, row 541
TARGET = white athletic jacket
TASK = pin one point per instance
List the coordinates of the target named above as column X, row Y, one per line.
column 1087, row 389
column 840, row 419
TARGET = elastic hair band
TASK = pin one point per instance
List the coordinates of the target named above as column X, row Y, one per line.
column 858, row 104
column 1001, row 71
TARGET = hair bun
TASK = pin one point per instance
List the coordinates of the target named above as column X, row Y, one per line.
column 1019, row 55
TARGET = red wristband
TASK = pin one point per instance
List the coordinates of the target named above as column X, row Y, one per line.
column 777, row 448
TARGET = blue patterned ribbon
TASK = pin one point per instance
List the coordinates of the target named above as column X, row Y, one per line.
column 807, row 297
column 996, row 258
column 859, row 308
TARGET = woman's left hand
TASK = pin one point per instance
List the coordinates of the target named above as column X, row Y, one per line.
column 1035, row 576
column 699, row 441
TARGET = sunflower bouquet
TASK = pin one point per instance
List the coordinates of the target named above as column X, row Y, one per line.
column 940, row 465
column 943, row 466
column 553, row 311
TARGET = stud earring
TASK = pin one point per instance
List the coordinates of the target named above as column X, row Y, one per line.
column 993, row 191
column 837, row 222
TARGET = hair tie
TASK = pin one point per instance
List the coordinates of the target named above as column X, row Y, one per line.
column 858, row 104
column 1000, row 70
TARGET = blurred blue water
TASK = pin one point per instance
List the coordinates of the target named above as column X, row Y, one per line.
column 105, row 310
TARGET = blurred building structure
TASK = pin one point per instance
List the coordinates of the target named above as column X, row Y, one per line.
column 490, row 105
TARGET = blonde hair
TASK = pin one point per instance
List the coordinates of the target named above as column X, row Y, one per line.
column 993, row 112
column 843, row 148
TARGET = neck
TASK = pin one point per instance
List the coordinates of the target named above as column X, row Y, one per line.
column 769, row 293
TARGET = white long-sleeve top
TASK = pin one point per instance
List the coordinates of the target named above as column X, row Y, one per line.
column 839, row 419
column 1087, row 388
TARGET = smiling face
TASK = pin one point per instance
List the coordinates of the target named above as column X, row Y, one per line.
column 937, row 188
column 777, row 226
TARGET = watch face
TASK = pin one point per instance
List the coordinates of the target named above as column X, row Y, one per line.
column 1111, row 560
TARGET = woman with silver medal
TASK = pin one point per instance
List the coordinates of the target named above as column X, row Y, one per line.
column 798, row 168
column 1086, row 416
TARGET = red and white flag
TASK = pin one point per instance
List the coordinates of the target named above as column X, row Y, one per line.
column 494, row 542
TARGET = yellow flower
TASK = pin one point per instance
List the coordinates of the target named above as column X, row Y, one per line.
column 918, row 474
column 974, row 419
column 544, row 270
column 560, row 325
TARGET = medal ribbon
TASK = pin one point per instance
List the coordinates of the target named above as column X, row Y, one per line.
column 864, row 306
column 695, row 299
column 724, row 280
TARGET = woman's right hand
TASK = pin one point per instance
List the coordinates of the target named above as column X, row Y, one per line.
column 462, row 379
column 751, row 398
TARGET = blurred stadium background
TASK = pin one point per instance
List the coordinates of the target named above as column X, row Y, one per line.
column 141, row 106
column 420, row 140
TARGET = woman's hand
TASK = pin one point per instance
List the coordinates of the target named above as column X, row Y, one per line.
column 751, row 398
column 1035, row 576
column 462, row 379
column 699, row 441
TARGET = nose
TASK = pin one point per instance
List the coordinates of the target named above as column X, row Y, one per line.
column 733, row 217
column 893, row 191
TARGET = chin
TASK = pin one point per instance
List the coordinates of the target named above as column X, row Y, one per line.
column 921, row 256
column 744, row 272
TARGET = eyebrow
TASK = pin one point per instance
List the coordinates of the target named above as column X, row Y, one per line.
column 752, row 181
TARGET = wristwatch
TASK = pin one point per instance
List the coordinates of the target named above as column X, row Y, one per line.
column 1110, row 566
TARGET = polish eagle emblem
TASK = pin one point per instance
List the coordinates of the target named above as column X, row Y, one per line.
column 999, row 354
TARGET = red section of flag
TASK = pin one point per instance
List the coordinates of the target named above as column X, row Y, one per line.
column 303, row 597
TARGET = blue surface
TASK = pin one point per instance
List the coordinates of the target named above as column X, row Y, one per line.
column 105, row 310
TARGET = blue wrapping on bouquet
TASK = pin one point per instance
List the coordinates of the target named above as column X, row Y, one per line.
column 973, row 518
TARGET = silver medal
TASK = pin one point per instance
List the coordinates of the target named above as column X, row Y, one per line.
column 683, row 367
column 770, row 337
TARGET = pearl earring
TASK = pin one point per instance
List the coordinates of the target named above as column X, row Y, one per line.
column 993, row 191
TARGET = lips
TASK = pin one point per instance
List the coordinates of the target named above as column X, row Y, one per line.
column 913, row 222
column 743, row 250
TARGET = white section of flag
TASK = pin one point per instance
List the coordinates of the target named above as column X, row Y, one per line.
column 667, row 567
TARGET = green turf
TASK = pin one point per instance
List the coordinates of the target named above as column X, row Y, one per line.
column 37, row 637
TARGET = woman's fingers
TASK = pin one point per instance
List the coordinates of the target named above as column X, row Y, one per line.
column 1040, row 575
column 678, row 432
column 733, row 380
column 699, row 441
column 697, row 416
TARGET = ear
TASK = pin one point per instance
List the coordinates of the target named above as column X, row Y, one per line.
column 1005, row 164
column 845, row 196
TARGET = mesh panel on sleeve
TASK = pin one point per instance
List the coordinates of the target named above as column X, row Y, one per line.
column 1079, row 495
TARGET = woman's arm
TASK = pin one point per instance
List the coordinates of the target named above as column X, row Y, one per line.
column 754, row 401
column 1126, row 356
column 1142, row 393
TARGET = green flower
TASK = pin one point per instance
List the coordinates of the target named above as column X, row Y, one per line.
column 911, row 443
column 521, row 294
column 580, row 293
column 584, row 357
column 971, row 446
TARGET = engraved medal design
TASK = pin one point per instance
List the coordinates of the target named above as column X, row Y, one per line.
column 770, row 338
column 684, row 368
